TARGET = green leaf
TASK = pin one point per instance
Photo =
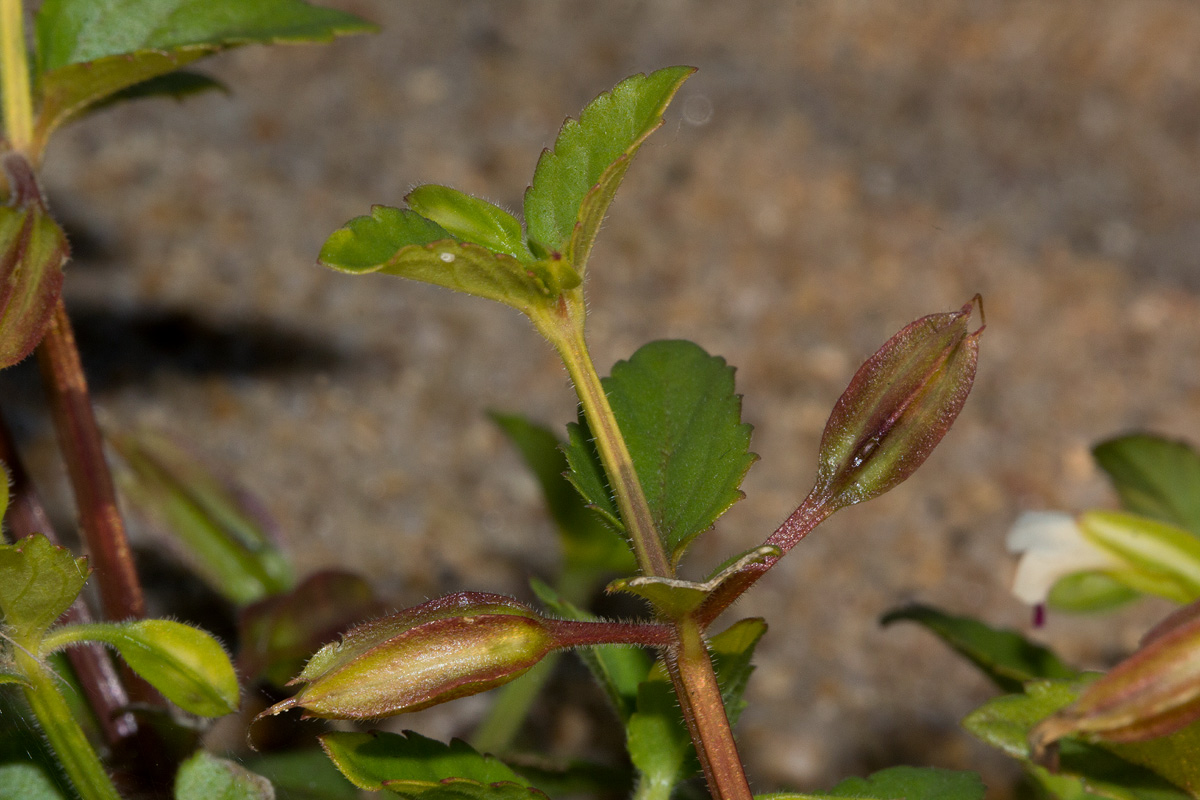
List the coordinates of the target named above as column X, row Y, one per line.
column 70, row 90
column 900, row 783
column 1084, row 592
column 178, row 85
column 4, row 480
column 75, row 31
column 222, row 532
column 576, row 778
column 38, row 582
column 1005, row 656
column 206, row 777
column 590, row 547
column 33, row 250
column 587, row 475
column 470, row 219
column 657, row 738
column 303, row 775
column 1006, row 722
column 675, row 598
column 404, row 243
column 380, row 760
column 574, row 183
column 676, row 407
column 618, row 670
column 277, row 635
column 27, row 782
column 1155, row 477
column 186, row 664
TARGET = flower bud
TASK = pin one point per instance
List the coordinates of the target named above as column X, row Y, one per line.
column 451, row 647
column 897, row 408
column 1153, row 693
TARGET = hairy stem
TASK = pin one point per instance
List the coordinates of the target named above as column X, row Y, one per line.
column 82, row 448
column 704, row 711
column 564, row 330
column 93, row 667
column 14, row 76
column 66, row 738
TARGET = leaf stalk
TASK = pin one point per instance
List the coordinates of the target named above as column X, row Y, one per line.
column 14, row 76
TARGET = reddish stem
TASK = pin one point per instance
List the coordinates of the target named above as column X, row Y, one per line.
column 579, row 633
column 82, row 448
column 93, row 666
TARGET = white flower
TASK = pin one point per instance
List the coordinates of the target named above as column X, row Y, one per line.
column 1051, row 547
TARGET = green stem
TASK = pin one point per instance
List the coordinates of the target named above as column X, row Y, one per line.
column 14, row 76
column 70, row 745
column 564, row 329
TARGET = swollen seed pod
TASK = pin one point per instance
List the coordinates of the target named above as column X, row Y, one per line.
column 451, row 647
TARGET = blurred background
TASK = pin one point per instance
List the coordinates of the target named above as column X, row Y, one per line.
column 833, row 171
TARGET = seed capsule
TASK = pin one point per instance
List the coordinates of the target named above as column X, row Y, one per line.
column 451, row 647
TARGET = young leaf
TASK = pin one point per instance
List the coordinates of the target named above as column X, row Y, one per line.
column 278, row 634
column 1163, row 559
column 33, row 250
column 27, row 782
column 225, row 536
column 1155, row 477
column 1006, row 723
column 206, row 777
column 404, row 243
column 589, row 545
column 1006, row 657
column 574, row 183
column 374, row 760
column 586, row 473
column 187, row 665
column 618, row 670
column 75, row 31
column 900, row 783
column 470, row 219
column 676, row 408
column 38, row 582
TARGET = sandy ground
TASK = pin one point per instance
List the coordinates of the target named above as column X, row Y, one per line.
column 833, row 171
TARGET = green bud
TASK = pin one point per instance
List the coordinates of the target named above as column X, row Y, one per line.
column 1153, row 693
column 897, row 408
column 451, row 647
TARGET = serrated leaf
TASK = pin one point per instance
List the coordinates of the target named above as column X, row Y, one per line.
column 72, row 89
column 303, row 775
column 586, row 473
column 471, row 219
column 1005, row 656
column 657, row 738
column 590, row 546
column 900, row 783
column 27, row 782
column 371, row 760
column 1155, row 477
column 618, row 670
column 277, row 635
column 404, row 243
column 221, row 531
column 1006, row 723
column 674, row 598
column 33, row 250
column 206, row 777
column 38, row 582
column 677, row 410
column 574, row 183
column 186, row 664
column 75, row 31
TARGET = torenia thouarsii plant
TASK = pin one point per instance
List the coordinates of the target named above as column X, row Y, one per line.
column 656, row 456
